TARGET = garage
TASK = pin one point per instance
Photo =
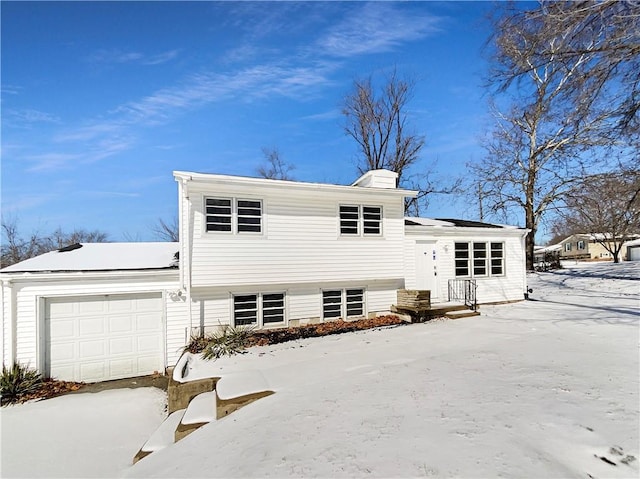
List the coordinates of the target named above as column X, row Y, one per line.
column 97, row 338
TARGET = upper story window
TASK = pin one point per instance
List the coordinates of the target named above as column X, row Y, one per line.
column 356, row 220
column 567, row 246
column 233, row 215
column 479, row 259
column 580, row 244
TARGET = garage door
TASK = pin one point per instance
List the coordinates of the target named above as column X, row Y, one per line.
column 97, row 338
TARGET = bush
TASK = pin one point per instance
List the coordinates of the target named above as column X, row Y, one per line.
column 226, row 342
column 18, row 381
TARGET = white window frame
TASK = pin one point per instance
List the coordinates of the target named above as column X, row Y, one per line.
column 567, row 247
column 361, row 223
column 346, row 303
column 235, row 224
column 581, row 244
column 260, row 309
column 475, row 261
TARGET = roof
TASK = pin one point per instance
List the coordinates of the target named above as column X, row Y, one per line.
column 101, row 257
column 450, row 223
column 635, row 242
column 213, row 179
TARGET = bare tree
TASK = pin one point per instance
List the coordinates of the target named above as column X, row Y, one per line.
column 607, row 206
column 167, row 230
column 378, row 120
column 275, row 168
column 560, row 114
column 605, row 32
column 16, row 248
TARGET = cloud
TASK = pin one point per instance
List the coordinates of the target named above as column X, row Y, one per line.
column 375, row 28
column 22, row 118
column 120, row 57
column 50, row 161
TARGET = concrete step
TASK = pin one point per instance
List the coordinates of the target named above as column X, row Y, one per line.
column 200, row 411
column 236, row 390
column 162, row 437
column 463, row 313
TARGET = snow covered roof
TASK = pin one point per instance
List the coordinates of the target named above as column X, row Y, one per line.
column 635, row 242
column 449, row 222
column 101, row 257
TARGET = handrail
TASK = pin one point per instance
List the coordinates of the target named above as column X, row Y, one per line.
column 464, row 290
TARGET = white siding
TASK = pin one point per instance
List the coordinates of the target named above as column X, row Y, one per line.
column 508, row 287
column 300, row 241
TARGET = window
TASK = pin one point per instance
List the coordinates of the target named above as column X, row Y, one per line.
column 245, row 309
column 227, row 215
column 372, row 220
column 218, row 214
column 355, row 219
column 497, row 258
column 567, row 246
column 479, row 259
column 349, row 220
column 462, row 259
column 249, row 308
column 580, row 244
column 343, row 303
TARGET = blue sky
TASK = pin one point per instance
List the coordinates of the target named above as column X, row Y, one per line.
column 101, row 101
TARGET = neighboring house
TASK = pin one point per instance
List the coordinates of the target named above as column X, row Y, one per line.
column 632, row 250
column 587, row 247
column 254, row 252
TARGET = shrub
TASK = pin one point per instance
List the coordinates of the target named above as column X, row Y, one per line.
column 18, row 381
column 226, row 342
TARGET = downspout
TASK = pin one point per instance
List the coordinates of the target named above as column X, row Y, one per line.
column 187, row 250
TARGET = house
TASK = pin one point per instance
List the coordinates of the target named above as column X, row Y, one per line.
column 632, row 248
column 253, row 252
column 588, row 246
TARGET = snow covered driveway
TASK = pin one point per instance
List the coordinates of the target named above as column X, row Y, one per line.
column 543, row 388
column 79, row 435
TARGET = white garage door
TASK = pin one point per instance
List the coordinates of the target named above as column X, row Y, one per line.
column 97, row 338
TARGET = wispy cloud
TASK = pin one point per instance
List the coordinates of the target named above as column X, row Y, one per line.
column 375, row 28
column 50, row 161
column 22, row 118
column 119, row 56
column 327, row 115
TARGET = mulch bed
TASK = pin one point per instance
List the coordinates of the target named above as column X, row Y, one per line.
column 275, row 336
column 49, row 388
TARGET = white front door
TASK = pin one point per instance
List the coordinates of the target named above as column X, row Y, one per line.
column 426, row 267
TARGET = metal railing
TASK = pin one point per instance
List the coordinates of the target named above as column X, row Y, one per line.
column 464, row 290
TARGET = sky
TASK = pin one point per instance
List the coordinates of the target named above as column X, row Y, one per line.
column 101, row 101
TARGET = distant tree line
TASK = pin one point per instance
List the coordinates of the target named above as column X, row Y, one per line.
column 17, row 247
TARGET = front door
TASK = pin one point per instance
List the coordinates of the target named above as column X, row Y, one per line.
column 426, row 267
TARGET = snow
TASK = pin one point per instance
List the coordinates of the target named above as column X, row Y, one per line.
column 165, row 434
column 542, row 388
column 102, row 257
column 79, row 435
column 202, row 408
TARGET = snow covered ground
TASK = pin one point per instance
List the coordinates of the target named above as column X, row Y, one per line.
column 542, row 388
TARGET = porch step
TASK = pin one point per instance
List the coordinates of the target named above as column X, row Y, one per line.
column 461, row 313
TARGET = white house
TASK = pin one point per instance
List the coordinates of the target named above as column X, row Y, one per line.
column 268, row 253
